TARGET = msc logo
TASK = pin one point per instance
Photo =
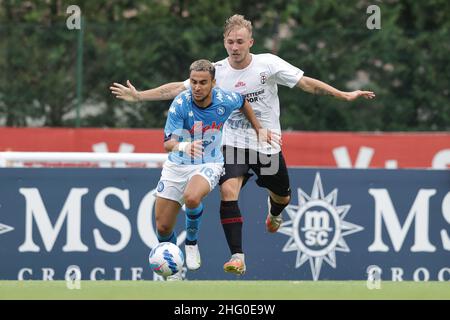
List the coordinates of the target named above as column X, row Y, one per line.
column 160, row 187
column 317, row 228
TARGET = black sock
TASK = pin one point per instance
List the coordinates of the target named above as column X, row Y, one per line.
column 276, row 208
column 231, row 219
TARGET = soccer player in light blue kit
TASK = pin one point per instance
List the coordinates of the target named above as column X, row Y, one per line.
column 195, row 163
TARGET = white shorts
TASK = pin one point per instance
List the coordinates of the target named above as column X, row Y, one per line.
column 175, row 177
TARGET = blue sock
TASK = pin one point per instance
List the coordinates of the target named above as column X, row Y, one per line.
column 193, row 219
column 170, row 238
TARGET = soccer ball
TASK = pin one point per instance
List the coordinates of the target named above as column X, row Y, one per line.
column 166, row 259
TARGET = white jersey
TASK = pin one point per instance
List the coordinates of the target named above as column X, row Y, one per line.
column 258, row 82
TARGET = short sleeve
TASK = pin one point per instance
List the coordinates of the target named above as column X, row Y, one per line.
column 239, row 100
column 175, row 119
column 283, row 72
column 233, row 100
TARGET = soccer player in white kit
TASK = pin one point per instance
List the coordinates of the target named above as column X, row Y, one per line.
column 256, row 76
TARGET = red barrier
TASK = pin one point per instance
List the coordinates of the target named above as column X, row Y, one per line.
column 323, row 149
column 80, row 140
column 367, row 150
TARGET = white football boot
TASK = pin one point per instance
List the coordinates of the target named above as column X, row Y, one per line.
column 193, row 260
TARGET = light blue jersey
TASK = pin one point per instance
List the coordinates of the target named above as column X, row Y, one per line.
column 189, row 122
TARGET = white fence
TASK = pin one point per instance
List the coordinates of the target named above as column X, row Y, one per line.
column 81, row 159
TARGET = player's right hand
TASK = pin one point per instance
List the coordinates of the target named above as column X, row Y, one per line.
column 125, row 93
column 196, row 149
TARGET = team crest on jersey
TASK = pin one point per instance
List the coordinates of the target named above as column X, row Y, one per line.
column 220, row 111
column 263, row 76
column 160, row 186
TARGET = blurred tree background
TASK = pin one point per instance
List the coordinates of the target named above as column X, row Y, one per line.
column 151, row 42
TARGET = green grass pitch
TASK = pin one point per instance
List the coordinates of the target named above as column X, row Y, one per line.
column 223, row 290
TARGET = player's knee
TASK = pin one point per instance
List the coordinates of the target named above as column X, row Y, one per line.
column 286, row 200
column 229, row 192
column 191, row 201
column 283, row 200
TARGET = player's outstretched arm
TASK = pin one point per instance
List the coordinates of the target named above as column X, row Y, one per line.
column 318, row 87
column 129, row 93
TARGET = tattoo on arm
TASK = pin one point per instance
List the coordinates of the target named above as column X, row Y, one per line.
column 165, row 93
column 322, row 92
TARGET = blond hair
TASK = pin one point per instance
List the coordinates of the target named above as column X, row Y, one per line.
column 236, row 21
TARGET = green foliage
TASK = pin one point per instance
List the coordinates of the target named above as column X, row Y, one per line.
column 152, row 42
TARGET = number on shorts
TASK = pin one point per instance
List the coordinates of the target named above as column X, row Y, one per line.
column 207, row 171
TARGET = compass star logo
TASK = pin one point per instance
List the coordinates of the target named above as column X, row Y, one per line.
column 317, row 228
column 4, row 228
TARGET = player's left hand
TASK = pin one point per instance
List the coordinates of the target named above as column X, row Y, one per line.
column 350, row 96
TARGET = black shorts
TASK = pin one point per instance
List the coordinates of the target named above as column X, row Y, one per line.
column 270, row 169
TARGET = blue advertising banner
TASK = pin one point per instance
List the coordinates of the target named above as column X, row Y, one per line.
column 341, row 224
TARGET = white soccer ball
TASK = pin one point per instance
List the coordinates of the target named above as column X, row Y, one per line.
column 166, row 259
